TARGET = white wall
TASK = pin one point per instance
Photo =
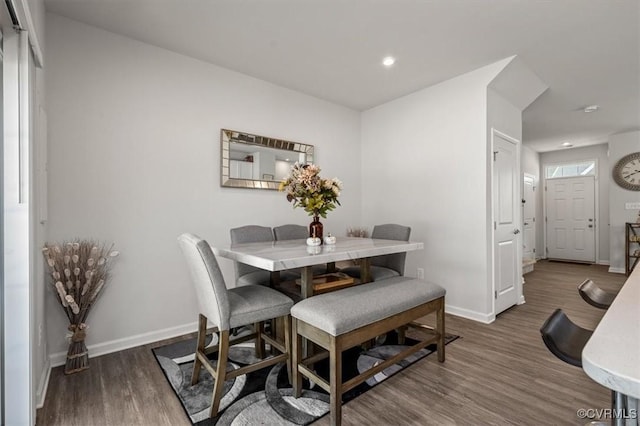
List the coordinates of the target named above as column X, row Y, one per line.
column 619, row 146
column 531, row 166
column 134, row 135
column 424, row 164
column 599, row 153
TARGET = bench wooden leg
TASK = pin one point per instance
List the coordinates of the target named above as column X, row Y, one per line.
column 440, row 330
column 296, row 355
column 402, row 331
column 335, row 382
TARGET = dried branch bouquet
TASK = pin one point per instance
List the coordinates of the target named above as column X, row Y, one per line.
column 79, row 271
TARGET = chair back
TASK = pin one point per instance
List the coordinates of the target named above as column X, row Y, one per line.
column 563, row 338
column 249, row 234
column 207, row 279
column 391, row 232
column 594, row 295
column 290, row 232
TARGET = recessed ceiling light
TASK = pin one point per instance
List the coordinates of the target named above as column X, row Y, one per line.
column 591, row 108
column 567, row 144
column 388, row 61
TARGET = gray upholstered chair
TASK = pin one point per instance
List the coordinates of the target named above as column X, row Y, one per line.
column 296, row 232
column 290, row 232
column 390, row 265
column 229, row 308
column 247, row 274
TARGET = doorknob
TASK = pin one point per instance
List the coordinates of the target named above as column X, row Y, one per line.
column 516, row 231
column 590, row 226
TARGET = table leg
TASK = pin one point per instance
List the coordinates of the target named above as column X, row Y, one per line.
column 275, row 279
column 331, row 267
column 365, row 270
column 306, row 282
column 306, row 288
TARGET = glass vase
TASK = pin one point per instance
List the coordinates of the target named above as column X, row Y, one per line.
column 315, row 228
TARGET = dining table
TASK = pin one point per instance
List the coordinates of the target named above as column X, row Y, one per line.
column 276, row 256
column 611, row 356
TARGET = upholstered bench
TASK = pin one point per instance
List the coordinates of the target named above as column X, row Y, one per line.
column 346, row 318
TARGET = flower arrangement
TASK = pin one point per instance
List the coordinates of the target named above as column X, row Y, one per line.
column 306, row 189
column 79, row 271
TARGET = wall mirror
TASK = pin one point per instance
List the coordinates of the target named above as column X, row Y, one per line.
column 259, row 162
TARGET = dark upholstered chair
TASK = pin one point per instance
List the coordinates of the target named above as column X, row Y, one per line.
column 224, row 309
column 247, row 274
column 594, row 295
column 564, row 338
column 566, row 341
column 386, row 266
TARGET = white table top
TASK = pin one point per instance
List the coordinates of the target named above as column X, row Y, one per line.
column 611, row 357
column 281, row 255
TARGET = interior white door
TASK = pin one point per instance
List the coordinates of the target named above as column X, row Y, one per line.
column 506, row 216
column 570, row 205
column 529, row 218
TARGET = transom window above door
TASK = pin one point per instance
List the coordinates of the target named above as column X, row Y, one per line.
column 583, row 168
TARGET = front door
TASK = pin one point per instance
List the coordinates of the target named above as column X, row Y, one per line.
column 506, row 216
column 570, row 204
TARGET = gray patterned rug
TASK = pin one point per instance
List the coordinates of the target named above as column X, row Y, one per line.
column 265, row 396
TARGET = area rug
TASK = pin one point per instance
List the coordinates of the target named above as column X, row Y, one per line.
column 265, row 396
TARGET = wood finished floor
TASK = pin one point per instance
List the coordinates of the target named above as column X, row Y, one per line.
column 497, row 374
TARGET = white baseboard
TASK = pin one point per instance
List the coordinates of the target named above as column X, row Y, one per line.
column 43, row 384
column 521, row 301
column 603, row 262
column 472, row 315
column 617, row 270
column 104, row 348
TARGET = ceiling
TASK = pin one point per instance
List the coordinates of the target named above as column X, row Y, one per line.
column 586, row 51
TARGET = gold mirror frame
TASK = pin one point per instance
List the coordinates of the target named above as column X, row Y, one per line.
column 229, row 137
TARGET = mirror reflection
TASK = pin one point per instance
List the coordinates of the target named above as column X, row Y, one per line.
column 253, row 161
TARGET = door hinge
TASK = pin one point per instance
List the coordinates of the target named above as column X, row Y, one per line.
column 546, row 250
column 534, row 219
column 495, row 226
column 545, row 219
column 545, row 188
column 534, row 250
column 495, row 294
column 494, row 155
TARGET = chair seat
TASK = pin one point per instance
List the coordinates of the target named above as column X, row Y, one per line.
column 254, row 303
column 263, row 278
column 595, row 296
column 377, row 272
column 565, row 339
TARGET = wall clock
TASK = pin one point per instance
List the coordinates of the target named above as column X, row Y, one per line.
column 626, row 172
